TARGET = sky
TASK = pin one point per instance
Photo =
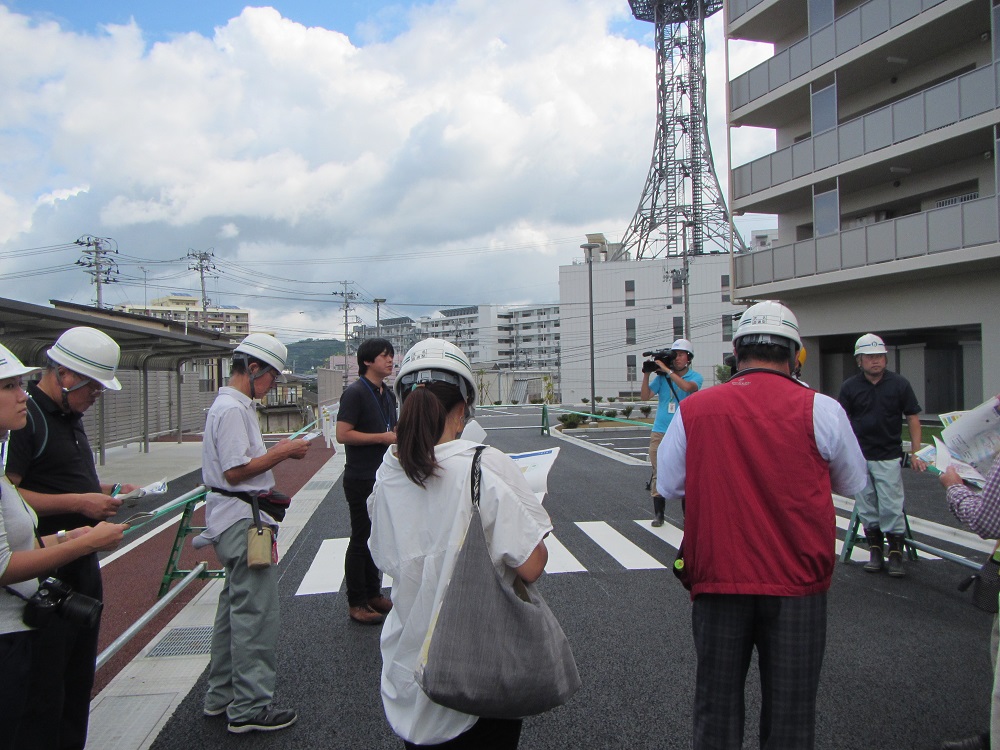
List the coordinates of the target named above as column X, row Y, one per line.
column 433, row 153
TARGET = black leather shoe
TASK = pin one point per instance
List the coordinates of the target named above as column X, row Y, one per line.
column 658, row 521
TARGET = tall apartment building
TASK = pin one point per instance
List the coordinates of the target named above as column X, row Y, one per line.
column 639, row 306
column 186, row 308
column 884, row 181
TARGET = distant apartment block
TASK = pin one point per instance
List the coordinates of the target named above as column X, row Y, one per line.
column 184, row 308
column 883, row 179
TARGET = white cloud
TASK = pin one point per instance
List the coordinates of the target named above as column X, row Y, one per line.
column 499, row 132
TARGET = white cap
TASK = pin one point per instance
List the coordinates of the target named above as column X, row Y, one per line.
column 90, row 353
column 436, row 359
column 769, row 322
column 869, row 344
column 11, row 367
column 267, row 349
column 682, row 345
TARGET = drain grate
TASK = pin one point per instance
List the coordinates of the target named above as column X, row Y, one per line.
column 184, row 642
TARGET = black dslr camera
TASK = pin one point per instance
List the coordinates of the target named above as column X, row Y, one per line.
column 666, row 356
column 55, row 598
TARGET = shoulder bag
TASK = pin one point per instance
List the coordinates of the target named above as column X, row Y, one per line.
column 494, row 650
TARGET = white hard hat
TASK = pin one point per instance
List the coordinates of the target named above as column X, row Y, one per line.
column 682, row 345
column 11, row 367
column 768, row 322
column 869, row 344
column 90, row 353
column 436, row 359
column 267, row 349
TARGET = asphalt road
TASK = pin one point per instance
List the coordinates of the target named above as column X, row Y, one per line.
column 906, row 664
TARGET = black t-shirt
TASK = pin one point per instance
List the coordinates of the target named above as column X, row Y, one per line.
column 369, row 409
column 876, row 413
column 52, row 455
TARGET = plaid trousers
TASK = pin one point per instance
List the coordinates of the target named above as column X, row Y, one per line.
column 789, row 634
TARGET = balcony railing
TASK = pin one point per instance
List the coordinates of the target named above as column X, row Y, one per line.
column 738, row 7
column 851, row 30
column 937, row 231
column 960, row 98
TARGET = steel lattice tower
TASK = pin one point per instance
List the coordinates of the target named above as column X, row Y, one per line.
column 682, row 197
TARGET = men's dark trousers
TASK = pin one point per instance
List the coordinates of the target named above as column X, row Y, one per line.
column 360, row 573
column 789, row 634
column 62, row 672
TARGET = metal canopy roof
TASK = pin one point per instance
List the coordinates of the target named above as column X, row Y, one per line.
column 147, row 343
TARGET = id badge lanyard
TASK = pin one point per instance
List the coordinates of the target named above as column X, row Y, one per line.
column 390, row 419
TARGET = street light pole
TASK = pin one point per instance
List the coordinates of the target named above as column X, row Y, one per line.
column 588, row 249
column 378, row 317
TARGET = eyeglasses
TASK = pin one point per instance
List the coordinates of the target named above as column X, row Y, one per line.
column 89, row 383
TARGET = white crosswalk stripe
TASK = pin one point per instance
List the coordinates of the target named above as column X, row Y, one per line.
column 326, row 573
column 613, row 542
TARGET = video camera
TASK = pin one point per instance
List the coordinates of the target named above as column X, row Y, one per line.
column 56, row 598
column 666, row 356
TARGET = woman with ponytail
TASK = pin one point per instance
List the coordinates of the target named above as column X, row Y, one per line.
column 420, row 510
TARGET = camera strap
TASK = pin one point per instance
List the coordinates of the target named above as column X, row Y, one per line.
column 15, row 592
column 673, row 390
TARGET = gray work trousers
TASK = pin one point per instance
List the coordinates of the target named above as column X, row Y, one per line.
column 242, row 670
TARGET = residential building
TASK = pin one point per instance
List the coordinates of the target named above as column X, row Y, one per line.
column 639, row 306
column 186, row 308
column 883, row 180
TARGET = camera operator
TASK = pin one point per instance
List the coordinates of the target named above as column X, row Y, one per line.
column 22, row 560
column 669, row 375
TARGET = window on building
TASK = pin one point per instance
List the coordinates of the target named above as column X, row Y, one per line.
column 727, row 327
column 630, row 330
column 826, row 213
column 678, row 285
column 678, row 326
column 726, row 290
column 629, row 293
column 630, row 368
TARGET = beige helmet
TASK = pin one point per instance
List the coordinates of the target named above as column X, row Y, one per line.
column 11, row 367
column 90, row 353
column 870, row 344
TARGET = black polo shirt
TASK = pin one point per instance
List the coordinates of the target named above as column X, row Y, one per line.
column 369, row 409
column 876, row 413
column 52, row 455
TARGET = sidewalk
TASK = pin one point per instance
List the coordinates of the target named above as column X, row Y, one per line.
column 130, row 712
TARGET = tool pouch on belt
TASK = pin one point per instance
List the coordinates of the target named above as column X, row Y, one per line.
column 260, row 539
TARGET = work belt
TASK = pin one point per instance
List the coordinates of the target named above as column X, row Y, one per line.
column 273, row 503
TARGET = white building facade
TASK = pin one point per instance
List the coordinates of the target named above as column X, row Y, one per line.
column 884, row 182
column 638, row 306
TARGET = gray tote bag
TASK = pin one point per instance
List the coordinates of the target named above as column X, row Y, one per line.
column 494, row 650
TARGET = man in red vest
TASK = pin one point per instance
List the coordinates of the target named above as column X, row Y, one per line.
column 754, row 461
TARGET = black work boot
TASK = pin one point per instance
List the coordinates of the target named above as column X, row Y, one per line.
column 659, row 506
column 876, row 543
column 895, row 564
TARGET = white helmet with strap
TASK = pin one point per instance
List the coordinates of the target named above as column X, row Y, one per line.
column 90, row 353
column 440, row 360
column 11, row 367
column 768, row 322
column 869, row 344
column 265, row 348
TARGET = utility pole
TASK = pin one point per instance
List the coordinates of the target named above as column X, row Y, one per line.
column 378, row 317
column 202, row 262
column 102, row 268
column 145, row 296
column 348, row 298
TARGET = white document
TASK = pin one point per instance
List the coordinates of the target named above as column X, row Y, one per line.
column 943, row 459
column 156, row 488
column 536, row 466
column 975, row 436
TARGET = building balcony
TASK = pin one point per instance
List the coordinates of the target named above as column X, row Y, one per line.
column 914, row 30
column 941, row 118
column 766, row 20
column 923, row 242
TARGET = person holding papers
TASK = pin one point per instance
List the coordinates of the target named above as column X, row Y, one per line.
column 420, row 510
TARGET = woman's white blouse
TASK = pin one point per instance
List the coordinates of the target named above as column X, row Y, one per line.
column 416, row 533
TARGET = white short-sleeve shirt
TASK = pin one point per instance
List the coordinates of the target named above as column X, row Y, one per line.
column 415, row 537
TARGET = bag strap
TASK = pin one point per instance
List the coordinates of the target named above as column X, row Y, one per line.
column 477, row 473
column 256, row 513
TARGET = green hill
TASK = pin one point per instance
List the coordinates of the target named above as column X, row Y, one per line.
column 306, row 356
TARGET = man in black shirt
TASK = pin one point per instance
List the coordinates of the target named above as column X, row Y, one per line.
column 52, row 465
column 366, row 426
column 876, row 400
